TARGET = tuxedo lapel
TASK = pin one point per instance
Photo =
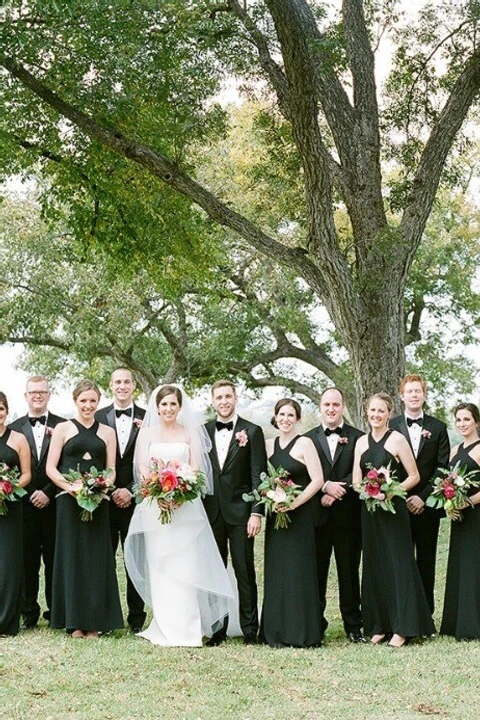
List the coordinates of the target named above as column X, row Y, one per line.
column 425, row 426
column 133, row 431
column 110, row 418
column 402, row 427
column 322, row 439
column 28, row 432
column 234, row 447
column 210, row 427
column 341, row 446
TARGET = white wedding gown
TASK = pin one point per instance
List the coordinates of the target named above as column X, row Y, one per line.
column 176, row 567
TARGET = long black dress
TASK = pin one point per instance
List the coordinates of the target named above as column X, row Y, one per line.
column 461, row 608
column 11, row 552
column 393, row 596
column 85, row 589
column 291, row 604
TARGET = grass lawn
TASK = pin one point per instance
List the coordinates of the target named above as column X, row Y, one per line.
column 44, row 674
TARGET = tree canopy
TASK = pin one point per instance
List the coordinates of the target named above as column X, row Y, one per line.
column 117, row 104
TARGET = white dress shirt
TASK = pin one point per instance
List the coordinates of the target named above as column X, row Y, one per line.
column 123, row 426
column 38, row 431
column 223, row 438
column 415, row 433
column 333, row 440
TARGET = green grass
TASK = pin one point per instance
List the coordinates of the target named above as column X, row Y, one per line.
column 44, row 674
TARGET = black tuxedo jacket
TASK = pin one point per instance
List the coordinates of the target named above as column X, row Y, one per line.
column 240, row 474
column 433, row 451
column 344, row 512
column 123, row 465
column 39, row 480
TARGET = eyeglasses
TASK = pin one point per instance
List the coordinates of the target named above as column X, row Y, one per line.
column 42, row 393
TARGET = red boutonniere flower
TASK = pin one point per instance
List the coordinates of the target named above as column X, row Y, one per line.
column 242, row 438
column 426, row 434
column 48, row 431
column 342, row 440
column 137, row 422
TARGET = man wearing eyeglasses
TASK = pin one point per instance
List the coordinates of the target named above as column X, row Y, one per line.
column 39, row 503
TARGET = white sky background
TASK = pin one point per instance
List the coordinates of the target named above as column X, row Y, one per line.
column 12, row 380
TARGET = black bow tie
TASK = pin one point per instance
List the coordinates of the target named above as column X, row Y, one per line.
column 335, row 431
column 224, row 426
column 127, row 411
column 42, row 419
column 412, row 421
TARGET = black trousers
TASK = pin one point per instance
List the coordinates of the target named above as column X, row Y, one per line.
column 38, row 545
column 119, row 523
column 234, row 537
column 346, row 543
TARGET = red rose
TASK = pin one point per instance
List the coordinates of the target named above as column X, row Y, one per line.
column 372, row 475
column 169, row 480
column 372, row 489
column 6, row 486
column 449, row 491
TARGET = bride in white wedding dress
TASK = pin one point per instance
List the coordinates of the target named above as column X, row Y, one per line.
column 176, row 567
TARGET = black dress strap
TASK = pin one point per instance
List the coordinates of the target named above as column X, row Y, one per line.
column 6, row 435
column 381, row 442
column 288, row 447
column 82, row 428
column 470, row 447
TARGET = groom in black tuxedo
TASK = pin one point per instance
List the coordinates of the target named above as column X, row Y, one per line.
column 39, row 503
column 429, row 441
column 238, row 457
column 337, row 512
column 125, row 417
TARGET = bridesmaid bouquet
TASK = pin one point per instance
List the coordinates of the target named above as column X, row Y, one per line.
column 276, row 489
column 379, row 487
column 90, row 489
column 171, row 484
column 450, row 492
column 10, row 490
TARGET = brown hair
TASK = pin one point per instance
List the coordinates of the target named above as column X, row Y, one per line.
column 472, row 408
column 223, row 383
column 168, row 390
column 3, row 400
column 123, row 369
column 84, row 386
column 281, row 403
column 384, row 397
column 412, row 378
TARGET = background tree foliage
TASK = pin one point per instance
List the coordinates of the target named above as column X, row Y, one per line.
column 130, row 135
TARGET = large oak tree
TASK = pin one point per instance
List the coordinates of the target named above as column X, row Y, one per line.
column 134, row 83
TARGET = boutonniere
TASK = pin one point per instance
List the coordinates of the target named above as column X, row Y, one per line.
column 342, row 440
column 137, row 422
column 426, row 434
column 242, row 438
column 48, row 431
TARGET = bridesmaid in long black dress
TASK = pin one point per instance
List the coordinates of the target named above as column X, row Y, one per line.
column 85, row 591
column 291, row 604
column 393, row 597
column 461, row 609
column 15, row 453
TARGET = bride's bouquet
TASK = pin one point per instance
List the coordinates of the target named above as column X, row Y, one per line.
column 450, row 491
column 171, row 484
column 379, row 487
column 89, row 488
column 10, row 490
column 276, row 490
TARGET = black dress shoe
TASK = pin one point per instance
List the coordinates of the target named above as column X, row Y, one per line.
column 250, row 639
column 135, row 629
column 28, row 624
column 356, row 637
column 216, row 639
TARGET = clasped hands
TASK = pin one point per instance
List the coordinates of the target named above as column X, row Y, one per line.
column 333, row 491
